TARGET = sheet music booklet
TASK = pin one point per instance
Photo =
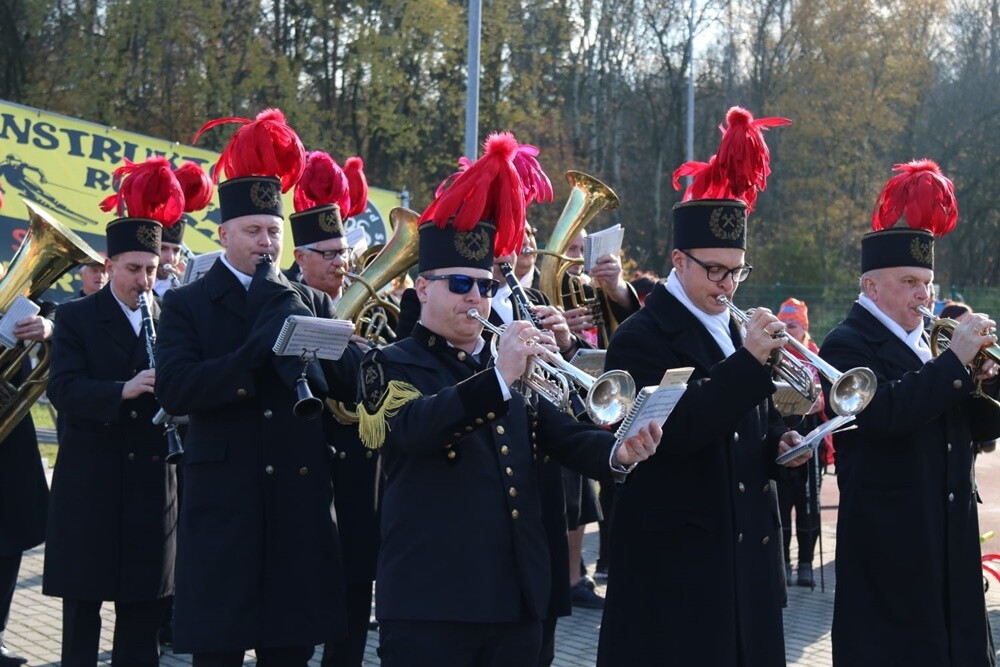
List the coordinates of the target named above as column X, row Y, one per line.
column 21, row 308
column 199, row 265
column 605, row 242
column 814, row 438
column 654, row 402
column 325, row 337
column 589, row 361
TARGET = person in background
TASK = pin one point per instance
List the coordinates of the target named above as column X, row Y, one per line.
column 798, row 488
column 93, row 277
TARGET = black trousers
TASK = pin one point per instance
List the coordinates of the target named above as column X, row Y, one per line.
column 444, row 644
column 798, row 489
column 286, row 656
column 350, row 652
column 606, row 496
column 136, row 642
column 9, row 567
column 548, row 653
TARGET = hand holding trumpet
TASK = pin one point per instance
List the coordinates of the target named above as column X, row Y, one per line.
column 973, row 333
column 764, row 335
column 518, row 343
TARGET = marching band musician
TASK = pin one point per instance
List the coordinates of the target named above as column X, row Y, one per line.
column 697, row 575
column 113, row 506
column 909, row 581
column 258, row 563
column 24, row 493
column 322, row 254
column 458, row 444
column 198, row 190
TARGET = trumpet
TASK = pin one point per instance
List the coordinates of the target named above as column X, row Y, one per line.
column 942, row 329
column 850, row 392
column 609, row 396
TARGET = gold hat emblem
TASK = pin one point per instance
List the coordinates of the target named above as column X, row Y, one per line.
column 330, row 222
column 148, row 238
column 727, row 224
column 265, row 196
column 922, row 250
column 474, row 244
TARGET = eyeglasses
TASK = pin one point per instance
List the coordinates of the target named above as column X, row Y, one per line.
column 461, row 284
column 718, row 274
column 330, row 255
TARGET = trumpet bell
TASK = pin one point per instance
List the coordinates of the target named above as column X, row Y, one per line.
column 853, row 391
column 610, row 397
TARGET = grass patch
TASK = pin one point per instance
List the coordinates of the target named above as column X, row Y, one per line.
column 44, row 417
column 49, row 452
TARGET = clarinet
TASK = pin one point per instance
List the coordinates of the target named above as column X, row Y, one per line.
column 175, row 448
column 576, row 403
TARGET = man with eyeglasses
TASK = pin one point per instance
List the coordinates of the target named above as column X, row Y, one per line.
column 464, row 569
column 322, row 254
column 697, row 575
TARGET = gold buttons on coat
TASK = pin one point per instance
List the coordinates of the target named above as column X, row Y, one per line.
column 514, row 514
column 491, row 415
column 133, row 414
column 957, row 384
column 736, row 437
column 131, row 456
column 739, row 538
column 452, row 454
column 462, row 356
column 512, row 492
column 479, row 421
column 303, row 470
column 268, row 414
column 369, row 454
column 509, row 471
column 741, row 487
column 241, row 392
column 765, row 540
column 505, row 450
column 951, row 497
column 269, row 470
column 500, row 429
column 342, row 455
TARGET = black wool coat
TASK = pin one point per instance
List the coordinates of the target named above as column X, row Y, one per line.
column 909, row 582
column 259, row 562
column 696, row 540
column 113, row 508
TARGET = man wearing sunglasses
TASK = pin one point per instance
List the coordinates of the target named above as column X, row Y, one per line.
column 464, row 569
column 697, row 575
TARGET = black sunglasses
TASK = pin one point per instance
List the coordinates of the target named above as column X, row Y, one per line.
column 459, row 283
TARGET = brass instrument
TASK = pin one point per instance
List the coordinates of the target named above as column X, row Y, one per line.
column 361, row 302
column 48, row 250
column 942, row 329
column 609, row 396
column 850, row 392
column 588, row 197
column 173, row 274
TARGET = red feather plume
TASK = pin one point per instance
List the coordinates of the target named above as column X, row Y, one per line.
column 537, row 186
column 354, row 168
column 490, row 189
column 265, row 146
column 322, row 182
column 147, row 190
column 740, row 168
column 463, row 164
column 921, row 194
column 196, row 184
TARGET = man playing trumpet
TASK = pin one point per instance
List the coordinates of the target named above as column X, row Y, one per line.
column 909, row 582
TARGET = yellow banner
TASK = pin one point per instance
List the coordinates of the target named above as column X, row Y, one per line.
column 65, row 166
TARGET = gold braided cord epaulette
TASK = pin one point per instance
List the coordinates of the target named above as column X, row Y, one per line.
column 372, row 425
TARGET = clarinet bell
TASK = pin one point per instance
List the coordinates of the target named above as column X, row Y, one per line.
column 306, row 406
column 175, row 450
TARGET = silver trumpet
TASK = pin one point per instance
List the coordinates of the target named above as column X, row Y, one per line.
column 609, row 396
column 850, row 392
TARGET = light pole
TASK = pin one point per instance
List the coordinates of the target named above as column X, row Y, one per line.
column 472, row 88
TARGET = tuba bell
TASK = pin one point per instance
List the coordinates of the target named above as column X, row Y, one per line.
column 48, row 250
column 588, row 197
column 361, row 302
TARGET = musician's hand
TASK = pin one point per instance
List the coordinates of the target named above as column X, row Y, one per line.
column 971, row 335
column 761, row 331
column 988, row 371
column 35, row 328
column 361, row 342
column 552, row 319
column 607, row 273
column 640, row 446
column 789, row 440
column 143, row 383
column 519, row 342
column 579, row 319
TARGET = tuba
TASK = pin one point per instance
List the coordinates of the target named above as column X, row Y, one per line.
column 587, row 198
column 361, row 302
column 47, row 252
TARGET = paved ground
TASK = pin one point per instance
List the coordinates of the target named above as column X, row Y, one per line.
column 35, row 627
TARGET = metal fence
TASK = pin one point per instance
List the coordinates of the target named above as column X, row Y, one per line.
column 829, row 305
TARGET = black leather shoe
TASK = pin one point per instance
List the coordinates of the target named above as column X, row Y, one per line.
column 581, row 596
column 588, row 581
column 10, row 659
column 805, row 575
